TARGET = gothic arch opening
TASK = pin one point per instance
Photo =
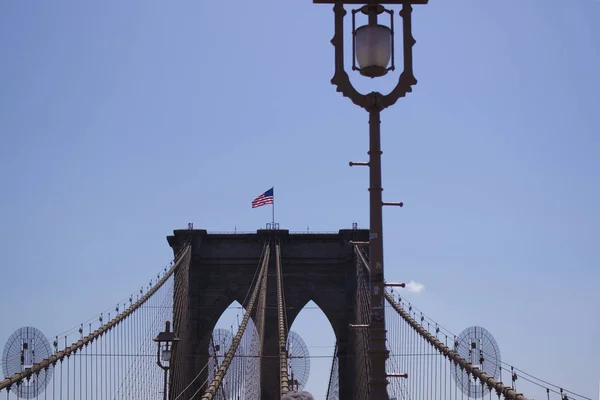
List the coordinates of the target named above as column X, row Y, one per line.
column 239, row 382
column 311, row 332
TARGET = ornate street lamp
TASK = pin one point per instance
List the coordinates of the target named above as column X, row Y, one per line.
column 165, row 339
column 373, row 51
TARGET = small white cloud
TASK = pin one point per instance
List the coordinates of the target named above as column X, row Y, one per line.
column 415, row 287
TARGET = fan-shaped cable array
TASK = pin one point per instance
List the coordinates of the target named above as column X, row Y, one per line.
column 476, row 345
column 299, row 361
column 24, row 348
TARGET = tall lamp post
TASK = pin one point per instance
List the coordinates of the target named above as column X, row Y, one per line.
column 165, row 339
column 373, row 51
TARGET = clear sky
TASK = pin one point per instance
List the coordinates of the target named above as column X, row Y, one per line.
column 123, row 120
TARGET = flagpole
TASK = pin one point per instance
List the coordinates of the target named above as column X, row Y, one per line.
column 273, row 209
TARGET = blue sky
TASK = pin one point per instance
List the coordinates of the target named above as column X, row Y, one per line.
column 121, row 121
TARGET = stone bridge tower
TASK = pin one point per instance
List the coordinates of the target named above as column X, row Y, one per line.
column 321, row 267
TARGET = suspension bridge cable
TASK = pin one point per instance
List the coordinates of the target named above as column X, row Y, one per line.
column 73, row 329
column 256, row 275
column 283, row 361
column 547, row 383
column 534, row 380
column 200, row 388
column 509, row 393
column 260, row 324
column 60, row 355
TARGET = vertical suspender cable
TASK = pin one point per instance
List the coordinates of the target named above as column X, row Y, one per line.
column 68, row 368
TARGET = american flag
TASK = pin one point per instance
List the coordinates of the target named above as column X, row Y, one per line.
column 263, row 199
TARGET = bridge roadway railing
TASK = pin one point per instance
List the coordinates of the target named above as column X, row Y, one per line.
column 59, row 356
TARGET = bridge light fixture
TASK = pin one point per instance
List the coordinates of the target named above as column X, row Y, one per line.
column 166, row 353
column 373, row 44
column 166, row 339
